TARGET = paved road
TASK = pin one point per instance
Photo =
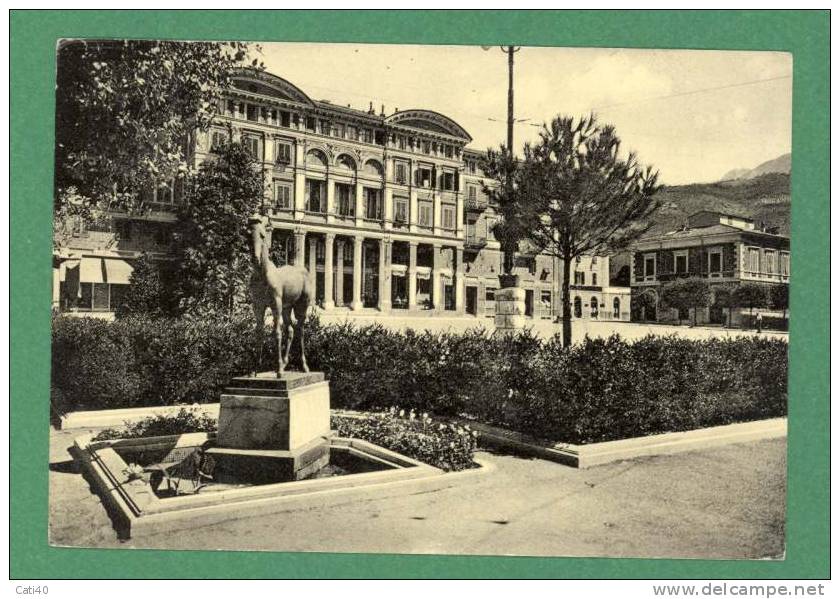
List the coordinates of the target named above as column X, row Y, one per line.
column 543, row 328
column 722, row 503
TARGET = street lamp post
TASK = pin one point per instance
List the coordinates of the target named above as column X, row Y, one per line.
column 509, row 50
column 510, row 299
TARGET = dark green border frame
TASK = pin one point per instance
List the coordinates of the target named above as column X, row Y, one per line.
column 32, row 48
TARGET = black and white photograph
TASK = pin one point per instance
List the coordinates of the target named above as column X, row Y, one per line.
column 420, row 299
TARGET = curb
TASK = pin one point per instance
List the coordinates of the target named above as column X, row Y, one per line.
column 594, row 454
column 107, row 418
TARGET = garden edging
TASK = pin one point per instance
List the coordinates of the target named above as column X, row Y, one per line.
column 594, row 454
column 109, row 418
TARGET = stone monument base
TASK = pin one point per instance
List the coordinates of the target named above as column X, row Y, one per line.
column 510, row 309
column 265, row 412
column 266, row 466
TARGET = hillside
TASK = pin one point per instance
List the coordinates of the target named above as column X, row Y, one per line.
column 764, row 198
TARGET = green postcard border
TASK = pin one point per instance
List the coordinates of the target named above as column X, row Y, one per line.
column 32, row 47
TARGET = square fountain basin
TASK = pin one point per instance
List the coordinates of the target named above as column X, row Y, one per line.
column 247, row 484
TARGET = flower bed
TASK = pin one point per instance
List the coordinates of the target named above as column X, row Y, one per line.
column 445, row 446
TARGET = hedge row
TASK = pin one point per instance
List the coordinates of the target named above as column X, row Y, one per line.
column 597, row 390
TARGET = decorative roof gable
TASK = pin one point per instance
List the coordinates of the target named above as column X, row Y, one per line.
column 430, row 121
column 266, row 84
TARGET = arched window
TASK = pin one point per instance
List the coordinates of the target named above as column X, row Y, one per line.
column 372, row 167
column 616, row 308
column 316, row 158
column 578, row 308
column 593, row 305
column 346, row 163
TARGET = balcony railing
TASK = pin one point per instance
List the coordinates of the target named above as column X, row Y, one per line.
column 475, row 242
column 476, row 204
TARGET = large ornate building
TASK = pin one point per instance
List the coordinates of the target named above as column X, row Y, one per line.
column 387, row 211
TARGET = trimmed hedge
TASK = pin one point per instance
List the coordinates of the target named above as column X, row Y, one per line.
column 597, row 390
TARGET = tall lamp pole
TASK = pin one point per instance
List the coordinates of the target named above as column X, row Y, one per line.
column 509, row 50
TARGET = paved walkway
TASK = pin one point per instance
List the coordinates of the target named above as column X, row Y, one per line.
column 543, row 328
column 722, row 503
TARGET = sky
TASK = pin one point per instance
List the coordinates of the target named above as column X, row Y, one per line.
column 691, row 114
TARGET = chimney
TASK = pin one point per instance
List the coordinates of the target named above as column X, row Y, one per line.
column 371, row 110
column 382, row 111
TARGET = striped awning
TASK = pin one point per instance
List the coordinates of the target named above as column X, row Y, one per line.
column 117, row 272
column 91, row 270
column 105, row 270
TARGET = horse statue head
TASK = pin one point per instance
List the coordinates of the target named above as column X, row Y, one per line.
column 260, row 229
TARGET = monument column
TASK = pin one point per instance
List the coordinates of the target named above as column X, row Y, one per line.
column 458, row 280
column 300, row 182
column 339, row 272
column 437, row 294
column 313, row 273
column 300, row 240
column 385, row 246
column 357, row 273
column 329, row 302
column 330, row 199
column 360, row 203
column 412, row 275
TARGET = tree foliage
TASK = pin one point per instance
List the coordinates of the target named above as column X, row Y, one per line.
column 573, row 193
column 685, row 294
column 125, row 110
column 212, row 247
column 725, row 298
column 642, row 302
column 149, row 291
column 779, row 297
column 750, row 295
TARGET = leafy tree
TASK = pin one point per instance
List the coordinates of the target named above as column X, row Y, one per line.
column 685, row 294
column 641, row 303
column 211, row 243
column 779, row 299
column 503, row 167
column 149, row 291
column 125, row 110
column 573, row 194
column 725, row 298
column 750, row 295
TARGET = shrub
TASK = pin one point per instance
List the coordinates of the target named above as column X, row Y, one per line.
column 596, row 390
column 142, row 361
column 445, row 446
column 185, row 421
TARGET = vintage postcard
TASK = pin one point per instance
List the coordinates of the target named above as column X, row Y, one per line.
column 458, row 300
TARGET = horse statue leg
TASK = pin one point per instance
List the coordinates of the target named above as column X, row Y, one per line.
column 289, row 332
column 278, row 335
column 301, row 307
column 284, row 329
column 259, row 330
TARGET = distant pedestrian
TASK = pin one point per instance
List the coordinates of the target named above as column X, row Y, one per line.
column 758, row 322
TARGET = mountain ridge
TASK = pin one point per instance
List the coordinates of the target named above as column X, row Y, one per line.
column 780, row 164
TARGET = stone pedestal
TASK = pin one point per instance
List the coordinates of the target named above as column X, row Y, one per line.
column 510, row 309
column 282, row 423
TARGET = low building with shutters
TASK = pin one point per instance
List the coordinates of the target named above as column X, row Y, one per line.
column 725, row 249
